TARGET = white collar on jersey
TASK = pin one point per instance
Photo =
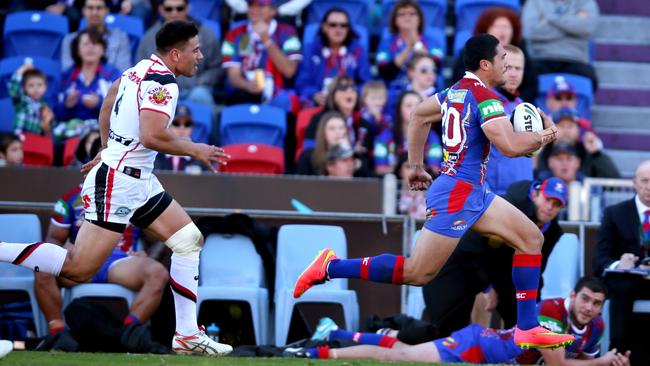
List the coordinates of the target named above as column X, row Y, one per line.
column 471, row 75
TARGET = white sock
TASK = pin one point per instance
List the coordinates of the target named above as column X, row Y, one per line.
column 184, row 279
column 40, row 257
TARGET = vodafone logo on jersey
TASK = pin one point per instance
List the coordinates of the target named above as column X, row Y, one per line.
column 159, row 96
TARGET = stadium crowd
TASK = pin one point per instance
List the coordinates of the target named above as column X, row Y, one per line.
column 344, row 88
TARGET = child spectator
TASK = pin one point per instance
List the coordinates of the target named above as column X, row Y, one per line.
column 373, row 103
column 391, row 143
column 421, row 76
column 411, row 203
column 27, row 88
column 340, row 161
column 11, row 150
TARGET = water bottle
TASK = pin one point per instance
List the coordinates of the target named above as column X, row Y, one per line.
column 213, row 332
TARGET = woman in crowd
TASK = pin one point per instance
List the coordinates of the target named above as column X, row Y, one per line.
column 336, row 50
column 332, row 130
column 405, row 39
column 85, row 84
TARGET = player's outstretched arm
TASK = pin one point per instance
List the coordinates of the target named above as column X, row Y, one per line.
column 510, row 143
column 424, row 114
column 154, row 135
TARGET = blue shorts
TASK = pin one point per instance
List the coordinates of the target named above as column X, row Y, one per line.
column 477, row 344
column 102, row 275
column 454, row 205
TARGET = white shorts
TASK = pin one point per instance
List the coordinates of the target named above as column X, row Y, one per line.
column 111, row 196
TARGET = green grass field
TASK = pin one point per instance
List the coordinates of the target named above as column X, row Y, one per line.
column 24, row 358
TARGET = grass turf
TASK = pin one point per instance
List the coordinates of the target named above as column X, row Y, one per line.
column 25, row 358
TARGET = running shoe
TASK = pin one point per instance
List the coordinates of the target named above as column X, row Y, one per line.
column 315, row 274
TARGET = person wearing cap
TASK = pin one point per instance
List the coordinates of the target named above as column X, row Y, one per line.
column 182, row 126
column 200, row 87
column 564, row 163
column 586, row 146
column 261, row 57
column 482, row 265
column 340, row 161
column 562, row 94
column 558, row 33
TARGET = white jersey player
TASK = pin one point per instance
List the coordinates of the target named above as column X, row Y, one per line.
column 120, row 187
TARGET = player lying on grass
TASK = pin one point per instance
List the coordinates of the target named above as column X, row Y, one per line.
column 577, row 315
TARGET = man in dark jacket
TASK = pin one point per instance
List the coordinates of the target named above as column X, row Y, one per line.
column 623, row 243
column 481, row 263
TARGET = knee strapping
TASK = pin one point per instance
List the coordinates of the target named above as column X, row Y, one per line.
column 186, row 242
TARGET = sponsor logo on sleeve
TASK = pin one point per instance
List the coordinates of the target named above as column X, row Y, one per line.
column 551, row 324
column 227, row 49
column 490, row 108
column 159, row 96
column 291, row 45
column 456, row 96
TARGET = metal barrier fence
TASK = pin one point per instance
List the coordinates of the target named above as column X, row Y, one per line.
column 594, row 194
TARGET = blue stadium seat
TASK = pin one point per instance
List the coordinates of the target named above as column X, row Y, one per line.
column 210, row 9
column 103, row 290
column 468, row 11
column 21, row 228
column 297, row 246
column 563, row 268
column 202, row 117
column 435, row 12
column 132, row 26
column 253, row 123
column 7, row 116
column 34, row 33
column 459, row 40
column 358, row 10
column 51, row 68
column 311, row 32
column 222, row 278
column 582, row 85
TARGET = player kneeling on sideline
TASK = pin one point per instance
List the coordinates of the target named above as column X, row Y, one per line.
column 133, row 270
column 577, row 315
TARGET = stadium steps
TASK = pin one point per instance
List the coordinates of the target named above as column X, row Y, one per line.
column 621, row 115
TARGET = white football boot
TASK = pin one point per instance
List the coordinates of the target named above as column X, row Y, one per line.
column 199, row 344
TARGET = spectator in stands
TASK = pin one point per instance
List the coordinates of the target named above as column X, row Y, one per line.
column 27, row 89
column 261, row 58
column 57, row 7
column 11, row 150
column 336, row 50
column 117, row 46
column 502, row 171
column 411, row 203
column 84, row 85
column 558, row 35
column 373, row 104
column 564, row 163
column 332, row 131
column 288, row 10
column 391, row 143
column 504, row 24
column 421, row 76
column 588, row 147
column 182, row 126
column 623, row 244
column 406, row 39
column 89, row 143
column 342, row 97
column 340, row 161
column 200, row 87
column 484, row 265
column 562, row 94
column 125, row 267
column 136, row 8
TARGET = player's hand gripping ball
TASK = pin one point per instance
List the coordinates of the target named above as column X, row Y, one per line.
column 526, row 118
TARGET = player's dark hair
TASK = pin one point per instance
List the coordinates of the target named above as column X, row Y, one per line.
column 174, row 35
column 33, row 73
column 479, row 47
column 592, row 283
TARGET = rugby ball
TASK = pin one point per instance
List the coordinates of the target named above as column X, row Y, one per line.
column 526, row 118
